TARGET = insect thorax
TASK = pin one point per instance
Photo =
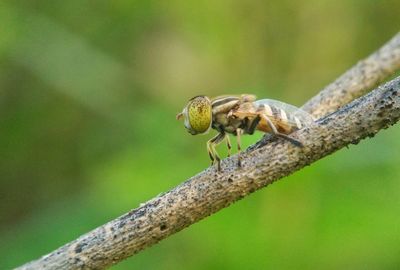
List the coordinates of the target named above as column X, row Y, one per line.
column 222, row 123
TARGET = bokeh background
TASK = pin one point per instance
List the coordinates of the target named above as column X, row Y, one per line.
column 88, row 96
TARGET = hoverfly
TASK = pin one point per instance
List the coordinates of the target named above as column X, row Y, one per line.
column 239, row 115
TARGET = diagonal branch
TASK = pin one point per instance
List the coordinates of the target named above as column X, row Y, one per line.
column 210, row 191
column 358, row 80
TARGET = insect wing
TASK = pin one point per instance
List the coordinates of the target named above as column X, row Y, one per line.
column 243, row 97
column 223, row 104
column 288, row 113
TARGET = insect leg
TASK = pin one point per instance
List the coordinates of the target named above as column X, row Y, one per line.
column 211, row 149
column 228, row 144
column 253, row 125
column 210, row 152
column 277, row 133
column 239, row 132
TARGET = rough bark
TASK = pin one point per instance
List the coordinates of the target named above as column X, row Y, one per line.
column 210, row 191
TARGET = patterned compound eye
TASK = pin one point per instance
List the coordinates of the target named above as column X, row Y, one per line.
column 198, row 115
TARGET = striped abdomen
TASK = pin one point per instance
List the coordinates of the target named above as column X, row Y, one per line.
column 286, row 118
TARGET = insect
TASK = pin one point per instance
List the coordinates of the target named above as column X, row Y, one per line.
column 239, row 115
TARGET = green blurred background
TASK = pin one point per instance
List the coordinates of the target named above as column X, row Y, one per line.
column 88, row 96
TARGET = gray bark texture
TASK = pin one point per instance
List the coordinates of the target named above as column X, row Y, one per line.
column 211, row 191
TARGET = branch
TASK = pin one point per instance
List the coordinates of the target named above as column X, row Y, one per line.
column 358, row 80
column 210, row 191
column 355, row 82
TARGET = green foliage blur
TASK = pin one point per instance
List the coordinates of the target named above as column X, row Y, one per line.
column 88, row 96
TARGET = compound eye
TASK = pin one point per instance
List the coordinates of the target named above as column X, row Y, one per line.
column 199, row 113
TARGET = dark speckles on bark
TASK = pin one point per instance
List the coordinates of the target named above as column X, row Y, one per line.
column 121, row 224
column 389, row 105
column 163, row 227
column 79, row 247
column 171, row 201
column 139, row 213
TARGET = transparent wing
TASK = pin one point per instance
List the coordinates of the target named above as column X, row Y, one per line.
column 292, row 112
